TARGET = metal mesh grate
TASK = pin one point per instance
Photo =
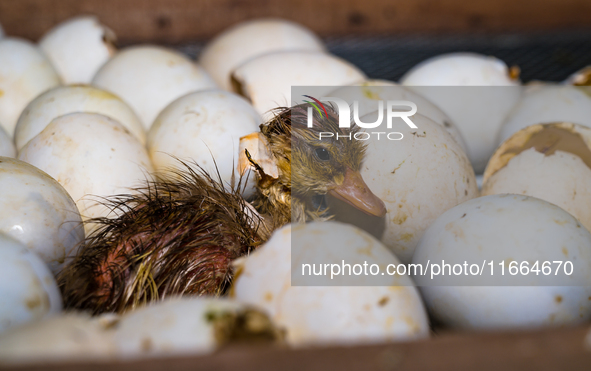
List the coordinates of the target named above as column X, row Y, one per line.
column 549, row 57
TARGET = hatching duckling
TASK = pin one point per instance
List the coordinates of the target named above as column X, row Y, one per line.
column 179, row 234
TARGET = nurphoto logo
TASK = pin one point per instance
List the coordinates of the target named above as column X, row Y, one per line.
column 344, row 110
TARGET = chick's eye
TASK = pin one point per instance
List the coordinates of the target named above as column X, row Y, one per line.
column 322, row 154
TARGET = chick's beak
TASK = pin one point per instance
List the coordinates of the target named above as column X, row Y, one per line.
column 355, row 192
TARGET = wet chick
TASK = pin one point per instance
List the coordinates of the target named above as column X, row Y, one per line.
column 297, row 168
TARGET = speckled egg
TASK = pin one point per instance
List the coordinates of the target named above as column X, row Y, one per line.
column 349, row 309
column 551, row 162
column 38, row 212
column 74, row 98
column 149, row 78
column 25, row 72
column 28, row 289
column 418, row 177
column 78, row 47
column 204, row 127
column 250, row 39
column 91, row 156
column 507, row 230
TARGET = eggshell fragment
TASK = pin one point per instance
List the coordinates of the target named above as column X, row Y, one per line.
column 78, row 47
column 330, row 314
column 542, row 104
column 250, row 39
column 27, row 287
column 418, row 177
column 204, row 127
column 371, row 91
column 74, row 98
column 149, row 78
column 59, row 338
column 38, row 212
column 25, row 72
column 6, row 146
column 91, row 156
column 188, row 326
column 477, row 112
column 505, row 229
column 580, row 78
column 551, row 162
column 266, row 80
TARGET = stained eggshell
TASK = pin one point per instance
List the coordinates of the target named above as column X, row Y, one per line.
column 27, row 287
column 580, row 78
column 547, row 103
column 59, row 338
column 38, row 212
column 250, row 39
column 371, row 91
column 418, row 177
column 195, row 325
column 551, row 162
column 78, row 47
column 266, row 80
column 149, row 78
column 330, row 314
column 6, row 146
column 477, row 112
column 91, row 156
column 62, row 100
column 25, row 72
column 504, row 229
column 204, row 127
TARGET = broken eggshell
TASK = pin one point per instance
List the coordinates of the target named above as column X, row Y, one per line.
column 149, row 78
column 204, row 127
column 418, row 178
column 266, row 80
column 249, row 39
column 369, row 92
column 478, row 112
column 580, row 78
column 28, row 289
column 541, row 104
column 551, row 162
column 91, row 156
column 507, row 229
column 63, row 100
column 339, row 314
column 78, row 47
column 38, row 212
column 25, row 72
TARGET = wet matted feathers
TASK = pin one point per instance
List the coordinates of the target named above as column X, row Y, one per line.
column 177, row 235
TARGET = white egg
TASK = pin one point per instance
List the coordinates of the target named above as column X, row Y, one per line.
column 250, row 39
column 6, row 146
column 149, row 78
column 547, row 103
column 91, row 156
column 369, row 92
column 74, row 98
column 59, row 338
column 38, row 212
column 347, row 310
column 418, row 177
column 25, row 72
column 551, row 162
column 187, row 326
column 508, row 230
column 479, row 111
column 27, row 287
column 204, row 127
column 78, row 47
column 266, row 80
